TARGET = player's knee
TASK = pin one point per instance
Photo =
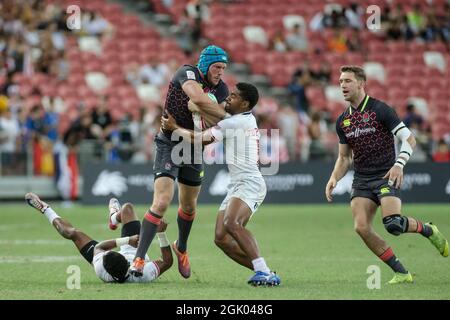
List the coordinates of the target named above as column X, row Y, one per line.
column 231, row 226
column 127, row 207
column 220, row 241
column 395, row 224
column 127, row 210
column 160, row 206
column 363, row 229
column 188, row 207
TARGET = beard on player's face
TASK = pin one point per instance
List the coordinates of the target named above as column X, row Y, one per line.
column 215, row 72
column 352, row 94
column 212, row 80
column 351, row 91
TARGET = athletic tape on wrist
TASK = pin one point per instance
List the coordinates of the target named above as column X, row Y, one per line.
column 122, row 241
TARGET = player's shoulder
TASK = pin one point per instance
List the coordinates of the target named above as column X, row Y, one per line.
column 341, row 117
column 249, row 116
column 244, row 120
column 230, row 122
column 187, row 71
column 98, row 256
column 378, row 104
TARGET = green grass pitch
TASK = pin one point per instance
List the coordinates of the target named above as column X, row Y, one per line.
column 312, row 247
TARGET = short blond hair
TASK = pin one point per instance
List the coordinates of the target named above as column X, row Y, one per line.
column 356, row 70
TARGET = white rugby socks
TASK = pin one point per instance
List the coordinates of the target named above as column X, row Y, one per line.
column 114, row 220
column 259, row 264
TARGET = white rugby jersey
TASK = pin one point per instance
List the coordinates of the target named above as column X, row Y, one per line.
column 151, row 270
column 240, row 136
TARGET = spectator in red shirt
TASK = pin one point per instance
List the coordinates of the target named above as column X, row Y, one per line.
column 442, row 154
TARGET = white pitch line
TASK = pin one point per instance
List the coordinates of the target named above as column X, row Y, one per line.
column 33, row 242
column 28, row 259
column 15, row 226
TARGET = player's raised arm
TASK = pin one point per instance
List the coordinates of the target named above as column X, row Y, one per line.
column 169, row 123
column 107, row 245
column 206, row 106
column 340, row 169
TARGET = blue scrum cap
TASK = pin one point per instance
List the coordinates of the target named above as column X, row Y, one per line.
column 210, row 55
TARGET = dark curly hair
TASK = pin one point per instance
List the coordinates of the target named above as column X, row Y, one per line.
column 116, row 265
column 248, row 92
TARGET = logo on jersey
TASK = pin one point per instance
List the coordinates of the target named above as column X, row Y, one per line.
column 346, row 123
column 168, row 166
column 366, row 117
column 360, row 132
column 190, row 74
column 110, row 183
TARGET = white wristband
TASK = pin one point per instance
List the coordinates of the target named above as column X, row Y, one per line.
column 399, row 165
column 122, row 241
column 162, row 238
column 400, row 162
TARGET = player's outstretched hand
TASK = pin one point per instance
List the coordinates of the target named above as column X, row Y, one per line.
column 162, row 226
column 329, row 188
column 395, row 176
column 134, row 240
column 193, row 107
column 168, row 123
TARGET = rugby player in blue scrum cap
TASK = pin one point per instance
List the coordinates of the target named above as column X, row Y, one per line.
column 189, row 83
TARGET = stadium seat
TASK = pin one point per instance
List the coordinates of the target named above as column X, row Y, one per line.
column 437, row 46
column 148, row 92
column 290, row 20
column 434, row 59
column 376, row 47
column 416, row 47
column 334, row 94
column 375, row 70
column 437, row 94
column 97, row 81
column 255, row 34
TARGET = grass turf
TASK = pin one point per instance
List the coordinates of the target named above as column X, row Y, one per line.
column 312, row 247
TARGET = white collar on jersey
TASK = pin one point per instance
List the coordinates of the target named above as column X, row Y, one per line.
column 242, row 113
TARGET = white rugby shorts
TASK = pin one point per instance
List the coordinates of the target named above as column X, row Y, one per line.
column 251, row 190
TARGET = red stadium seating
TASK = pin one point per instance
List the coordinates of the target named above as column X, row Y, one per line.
column 406, row 73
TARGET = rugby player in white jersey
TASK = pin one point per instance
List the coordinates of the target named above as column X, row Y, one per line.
column 247, row 188
column 110, row 265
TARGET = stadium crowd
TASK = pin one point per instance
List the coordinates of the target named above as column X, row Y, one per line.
column 35, row 60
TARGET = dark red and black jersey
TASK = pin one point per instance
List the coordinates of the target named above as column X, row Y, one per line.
column 177, row 100
column 367, row 131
